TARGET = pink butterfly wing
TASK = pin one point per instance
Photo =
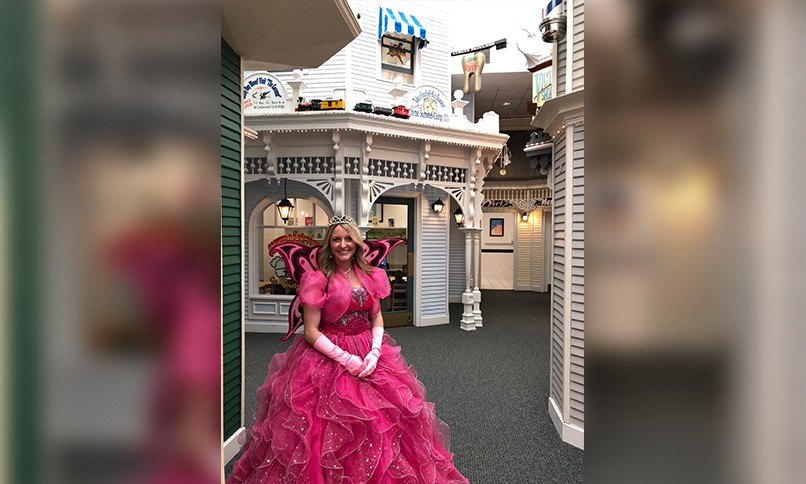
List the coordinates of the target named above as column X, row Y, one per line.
column 376, row 250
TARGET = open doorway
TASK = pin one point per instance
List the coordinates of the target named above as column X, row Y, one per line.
column 394, row 217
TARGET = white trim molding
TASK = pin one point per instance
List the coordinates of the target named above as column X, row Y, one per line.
column 568, row 432
column 433, row 320
column 556, row 113
column 280, row 327
column 346, row 121
column 232, row 446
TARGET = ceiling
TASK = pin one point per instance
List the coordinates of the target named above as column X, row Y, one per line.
column 497, row 88
column 281, row 35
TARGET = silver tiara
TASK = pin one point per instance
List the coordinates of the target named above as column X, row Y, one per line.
column 341, row 219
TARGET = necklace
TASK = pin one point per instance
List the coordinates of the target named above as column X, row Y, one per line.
column 347, row 272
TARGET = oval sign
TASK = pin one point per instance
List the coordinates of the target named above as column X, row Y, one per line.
column 263, row 93
column 428, row 103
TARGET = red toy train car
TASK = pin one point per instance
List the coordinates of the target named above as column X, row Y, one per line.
column 400, row 112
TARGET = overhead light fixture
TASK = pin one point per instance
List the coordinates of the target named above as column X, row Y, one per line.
column 285, row 206
column 525, row 216
column 506, row 103
column 504, row 159
column 459, row 217
column 437, row 206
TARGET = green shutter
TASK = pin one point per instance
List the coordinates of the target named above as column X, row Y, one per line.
column 231, row 236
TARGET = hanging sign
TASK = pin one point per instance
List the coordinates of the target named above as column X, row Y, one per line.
column 428, row 103
column 542, row 86
column 472, row 65
column 263, row 93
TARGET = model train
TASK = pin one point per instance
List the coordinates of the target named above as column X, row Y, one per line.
column 321, row 105
column 363, row 107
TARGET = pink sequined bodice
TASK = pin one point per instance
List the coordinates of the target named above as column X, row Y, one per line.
column 356, row 318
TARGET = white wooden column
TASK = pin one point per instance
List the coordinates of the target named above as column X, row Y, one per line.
column 338, row 187
column 477, row 277
column 468, row 322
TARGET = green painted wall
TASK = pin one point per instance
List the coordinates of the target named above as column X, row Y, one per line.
column 231, row 228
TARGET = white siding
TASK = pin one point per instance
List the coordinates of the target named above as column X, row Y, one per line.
column 561, row 67
column 578, row 69
column 558, row 273
column 578, row 280
column 322, row 80
column 456, row 269
column 353, row 187
column 434, row 256
column 357, row 66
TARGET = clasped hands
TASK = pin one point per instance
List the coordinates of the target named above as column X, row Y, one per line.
column 351, row 362
column 365, row 368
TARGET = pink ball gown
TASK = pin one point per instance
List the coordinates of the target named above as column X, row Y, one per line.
column 316, row 423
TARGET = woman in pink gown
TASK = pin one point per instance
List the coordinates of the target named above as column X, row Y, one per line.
column 341, row 405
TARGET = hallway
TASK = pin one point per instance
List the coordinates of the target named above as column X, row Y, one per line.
column 490, row 386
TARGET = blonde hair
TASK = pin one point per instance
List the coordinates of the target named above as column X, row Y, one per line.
column 325, row 256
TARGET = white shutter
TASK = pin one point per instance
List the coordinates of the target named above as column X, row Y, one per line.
column 434, row 271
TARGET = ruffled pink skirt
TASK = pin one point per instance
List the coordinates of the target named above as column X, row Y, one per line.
column 316, row 423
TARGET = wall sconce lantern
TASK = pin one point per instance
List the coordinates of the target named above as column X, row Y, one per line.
column 285, row 206
column 437, row 206
column 525, row 216
column 459, row 216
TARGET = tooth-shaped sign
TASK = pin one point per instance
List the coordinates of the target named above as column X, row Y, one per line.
column 472, row 65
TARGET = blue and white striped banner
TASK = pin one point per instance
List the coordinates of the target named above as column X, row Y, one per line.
column 400, row 23
column 551, row 6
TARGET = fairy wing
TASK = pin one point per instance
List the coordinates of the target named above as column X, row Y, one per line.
column 376, row 250
column 297, row 257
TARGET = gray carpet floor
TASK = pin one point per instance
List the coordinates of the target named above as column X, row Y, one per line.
column 490, row 386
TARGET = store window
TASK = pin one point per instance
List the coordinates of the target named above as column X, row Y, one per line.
column 308, row 222
column 398, row 57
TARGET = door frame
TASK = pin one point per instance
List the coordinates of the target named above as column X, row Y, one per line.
column 411, row 253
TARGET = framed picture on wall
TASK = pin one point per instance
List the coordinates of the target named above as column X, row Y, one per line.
column 391, row 222
column 496, row 227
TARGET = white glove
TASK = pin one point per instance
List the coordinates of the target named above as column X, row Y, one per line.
column 350, row 361
column 371, row 360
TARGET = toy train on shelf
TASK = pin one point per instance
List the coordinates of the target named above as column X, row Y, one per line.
column 338, row 104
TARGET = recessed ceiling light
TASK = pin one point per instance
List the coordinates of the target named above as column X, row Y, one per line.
column 507, row 103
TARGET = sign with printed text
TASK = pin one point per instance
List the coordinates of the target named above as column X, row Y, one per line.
column 428, row 103
column 263, row 93
column 542, row 89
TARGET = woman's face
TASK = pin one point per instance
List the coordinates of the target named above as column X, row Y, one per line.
column 341, row 245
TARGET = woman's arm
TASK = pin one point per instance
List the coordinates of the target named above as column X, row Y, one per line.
column 377, row 319
column 311, row 315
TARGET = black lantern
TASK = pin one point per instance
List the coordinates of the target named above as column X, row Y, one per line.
column 285, row 206
column 459, row 216
column 437, row 206
column 525, row 216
